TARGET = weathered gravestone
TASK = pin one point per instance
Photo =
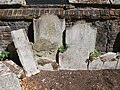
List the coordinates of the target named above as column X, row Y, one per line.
column 24, row 50
column 81, row 41
column 48, row 31
column 8, row 80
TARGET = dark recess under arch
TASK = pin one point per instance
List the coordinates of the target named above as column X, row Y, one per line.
column 47, row 1
column 116, row 46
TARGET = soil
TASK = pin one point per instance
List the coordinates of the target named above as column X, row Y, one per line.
column 73, row 80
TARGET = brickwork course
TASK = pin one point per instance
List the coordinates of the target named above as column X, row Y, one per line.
column 103, row 14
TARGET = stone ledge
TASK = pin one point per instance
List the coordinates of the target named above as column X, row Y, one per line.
column 95, row 1
column 77, row 13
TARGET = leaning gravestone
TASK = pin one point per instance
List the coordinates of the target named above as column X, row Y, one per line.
column 24, row 50
column 81, row 41
column 48, row 31
column 8, row 80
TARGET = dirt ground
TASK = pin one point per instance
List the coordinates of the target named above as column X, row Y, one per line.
column 73, row 80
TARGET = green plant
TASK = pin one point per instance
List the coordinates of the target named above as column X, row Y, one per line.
column 94, row 55
column 3, row 54
column 63, row 48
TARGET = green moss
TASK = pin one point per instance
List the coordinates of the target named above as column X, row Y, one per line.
column 63, row 48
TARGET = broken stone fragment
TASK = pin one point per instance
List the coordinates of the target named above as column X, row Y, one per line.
column 47, row 64
column 8, row 80
column 95, row 65
column 110, row 65
column 17, row 70
column 110, row 56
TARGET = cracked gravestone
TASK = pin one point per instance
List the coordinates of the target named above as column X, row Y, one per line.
column 48, row 31
column 81, row 39
column 8, row 80
column 24, row 51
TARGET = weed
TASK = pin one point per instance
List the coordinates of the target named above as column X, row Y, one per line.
column 63, row 48
column 3, row 54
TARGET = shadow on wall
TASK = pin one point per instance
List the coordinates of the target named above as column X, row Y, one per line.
column 47, row 1
column 31, row 33
column 13, row 54
column 116, row 46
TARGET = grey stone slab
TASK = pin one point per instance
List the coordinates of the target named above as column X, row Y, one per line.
column 8, row 80
column 81, row 40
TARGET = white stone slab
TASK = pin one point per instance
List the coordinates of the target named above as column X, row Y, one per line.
column 24, row 50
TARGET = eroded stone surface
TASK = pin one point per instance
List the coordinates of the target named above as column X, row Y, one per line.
column 95, row 65
column 110, row 65
column 17, row 70
column 8, row 80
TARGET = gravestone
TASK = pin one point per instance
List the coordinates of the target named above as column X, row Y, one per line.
column 24, row 50
column 81, row 41
column 48, row 31
column 8, row 80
